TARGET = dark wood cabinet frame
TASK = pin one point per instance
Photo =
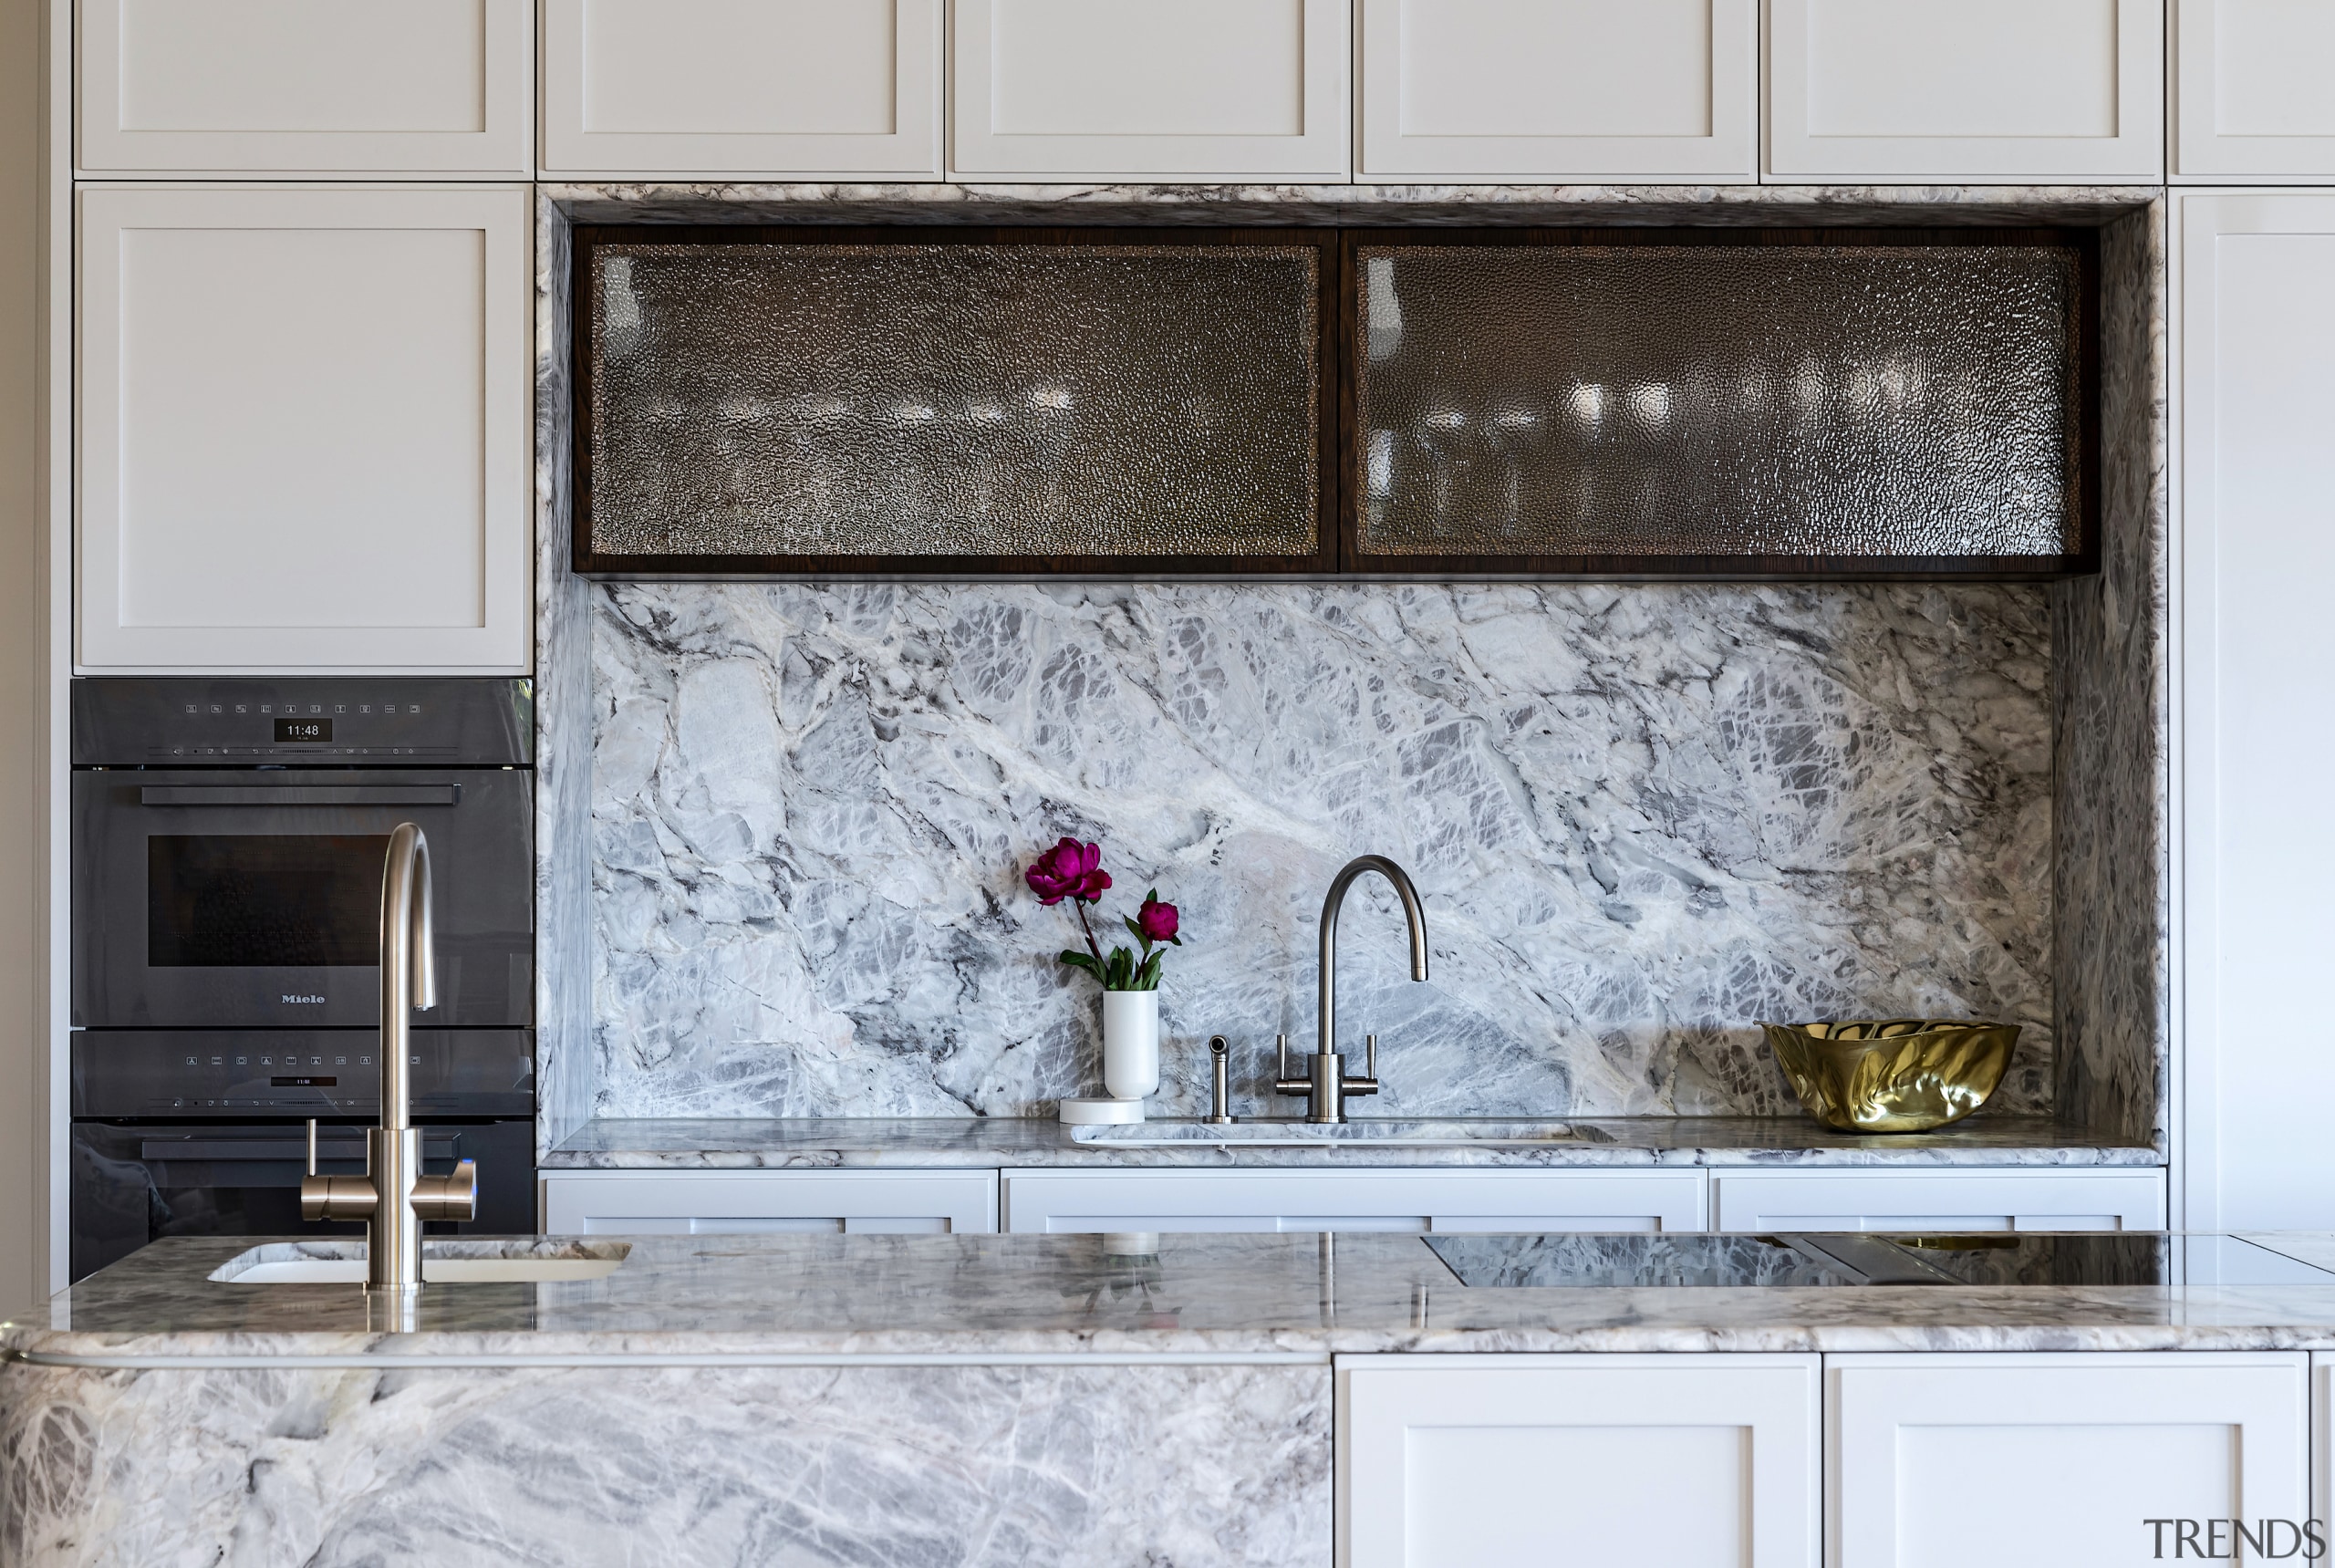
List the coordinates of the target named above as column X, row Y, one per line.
column 1338, row 319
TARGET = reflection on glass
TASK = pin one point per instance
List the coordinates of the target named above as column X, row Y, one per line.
column 1659, row 400
column 968, row 399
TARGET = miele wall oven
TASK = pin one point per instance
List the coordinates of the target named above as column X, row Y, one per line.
column 227, row 845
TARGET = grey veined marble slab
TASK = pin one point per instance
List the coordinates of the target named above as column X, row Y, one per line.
column 960, row 1143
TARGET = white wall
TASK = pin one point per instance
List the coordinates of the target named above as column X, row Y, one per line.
column 23, row 637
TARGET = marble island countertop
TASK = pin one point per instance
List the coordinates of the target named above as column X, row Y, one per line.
column 1214, row 1299
column 938, row 1142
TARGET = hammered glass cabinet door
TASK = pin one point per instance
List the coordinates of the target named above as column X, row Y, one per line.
column 292, row 88
column 2022, row 92
column 1689, row 1462
column 1579, row 405
column 1131, row 89
column 947, row 406
column 1562, row 91
column 2253, row 92
column 2040, row 1461
column 797, row 88
column 303, row 430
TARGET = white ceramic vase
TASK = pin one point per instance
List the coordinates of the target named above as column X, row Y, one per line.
column 1130, row 1043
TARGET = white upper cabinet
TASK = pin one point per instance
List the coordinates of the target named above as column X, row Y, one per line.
column 1560, row 91
column 2255, row 320
column 1118, row 89
column 1970, row 91
column 303, row 87
column 786, row 87
column 303, row 431
column 2254, row 91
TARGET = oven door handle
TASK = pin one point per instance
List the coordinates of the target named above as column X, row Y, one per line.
column 294, row 1148
column 300, row 795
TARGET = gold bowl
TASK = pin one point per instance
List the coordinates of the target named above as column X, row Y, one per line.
column 1893, row 1074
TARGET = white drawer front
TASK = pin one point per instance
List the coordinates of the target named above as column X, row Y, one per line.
column 2018, row 1199
column 1443, row 1201
column 690, row 1202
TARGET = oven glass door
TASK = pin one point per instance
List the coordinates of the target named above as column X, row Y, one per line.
column 136, row 1184
column 216, row 900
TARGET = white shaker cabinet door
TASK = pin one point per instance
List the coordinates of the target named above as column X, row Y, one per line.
column 2254, row 539
column 306, row 88
column 1688, row 1461
column 814, row 1202
column 781, row 88
column 1560, row 91
column 1967, row 91
column 2019, row 1198
column 1137, row 89
column 2254, row 91
column 304, row 437
column 2049, row 1460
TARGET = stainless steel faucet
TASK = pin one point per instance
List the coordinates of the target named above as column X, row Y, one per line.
column 1327, row 1085
column 393, row 1197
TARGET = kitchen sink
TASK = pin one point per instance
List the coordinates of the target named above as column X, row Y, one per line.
column 1377, row 1132
column 442, row 1263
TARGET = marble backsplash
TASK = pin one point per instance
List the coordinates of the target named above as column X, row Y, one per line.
column 1642, row 816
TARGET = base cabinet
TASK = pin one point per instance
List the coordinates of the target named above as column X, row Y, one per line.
column 2033, row 1460
column 1967, row 1199
column 1452, row 1461
column 707, row 1203
column 1424, row 1200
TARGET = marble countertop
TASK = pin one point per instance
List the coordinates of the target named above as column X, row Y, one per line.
column 889, row 1142
column 763, row 1300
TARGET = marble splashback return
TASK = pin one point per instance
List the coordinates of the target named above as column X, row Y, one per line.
column 1641, row 817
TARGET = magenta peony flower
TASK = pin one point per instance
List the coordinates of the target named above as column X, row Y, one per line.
column 1069, row 870
column 1156, row 921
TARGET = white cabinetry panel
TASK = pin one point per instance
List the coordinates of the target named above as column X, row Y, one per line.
column 792, row 88
column 2254, row 91
column 303, row 434
column 707, row 1202
column 1424, row 1200
column 1061, row 90
column 1453, row 1461
column 2067, row 1455
column 2255, row 308
column 1559, row 91
column 2016, row 1199
column 305, row 87
column 2016, row 91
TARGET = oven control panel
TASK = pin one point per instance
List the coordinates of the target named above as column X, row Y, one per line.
column 198, row 1073
column 138, row 721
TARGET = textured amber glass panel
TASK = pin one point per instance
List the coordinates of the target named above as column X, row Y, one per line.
column 1719, row 400
column 954, row 400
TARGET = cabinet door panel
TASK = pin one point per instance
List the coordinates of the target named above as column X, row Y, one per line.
column 2255, row 332
column 2073, row 1454
column 1128, row 88
column 2039, row 1199
column 2017, row 91
column 1559, row 90
column 303, row 434
column 790, row 88
column 702, row 1203
column 305, row 87
column 2251, row 99
column 1448, row 1461
column 1420, row 1200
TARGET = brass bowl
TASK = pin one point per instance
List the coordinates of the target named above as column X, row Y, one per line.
column 1894, row 1074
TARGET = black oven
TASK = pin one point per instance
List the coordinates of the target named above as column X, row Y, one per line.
column 227, row 847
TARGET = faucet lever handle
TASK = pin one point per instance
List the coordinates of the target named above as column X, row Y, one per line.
column 1280, row 1056
column 1370, row 1055
column 312, row 1146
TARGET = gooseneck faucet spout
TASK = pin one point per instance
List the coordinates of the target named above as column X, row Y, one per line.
column 1326, row 1085
column 394, row 1198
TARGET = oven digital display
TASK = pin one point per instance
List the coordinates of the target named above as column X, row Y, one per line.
column 287, row 729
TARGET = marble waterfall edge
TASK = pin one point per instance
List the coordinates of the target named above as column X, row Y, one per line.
column 1642, row 816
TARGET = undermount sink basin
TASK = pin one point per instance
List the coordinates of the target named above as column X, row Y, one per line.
column 442, row 1263
column 1443, row 1132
